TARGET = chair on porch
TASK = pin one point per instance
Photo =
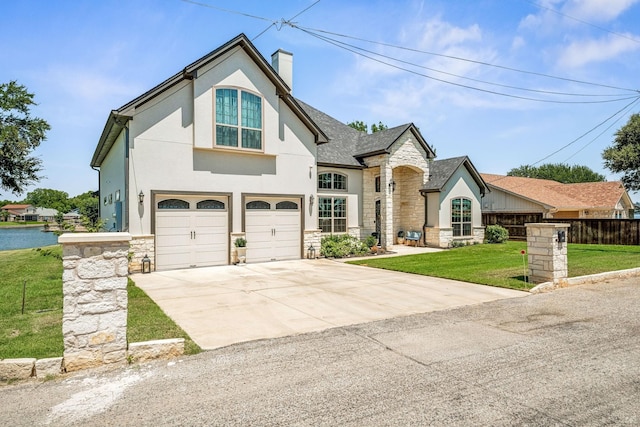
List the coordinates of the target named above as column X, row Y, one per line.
column 413, row 236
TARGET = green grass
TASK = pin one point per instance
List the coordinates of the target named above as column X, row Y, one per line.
column 20, row 224
column 146, row 321
column 501, row 264
column 38, row 332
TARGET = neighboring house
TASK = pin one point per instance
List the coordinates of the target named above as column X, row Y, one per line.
column 19, row 212
column 454, row 196
column 46, row 214
column 223, row 150
column 552, row 199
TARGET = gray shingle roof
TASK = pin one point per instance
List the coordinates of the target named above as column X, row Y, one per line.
column 442, row 170
column 348, row 146
column 343, row 139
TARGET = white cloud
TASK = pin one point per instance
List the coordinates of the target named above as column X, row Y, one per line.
column 597, row 10
column 580, row 53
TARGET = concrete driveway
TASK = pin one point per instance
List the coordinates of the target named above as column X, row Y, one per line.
column 219, row 306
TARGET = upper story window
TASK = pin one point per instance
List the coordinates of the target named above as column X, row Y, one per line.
column 238, row 123
column 332, row 181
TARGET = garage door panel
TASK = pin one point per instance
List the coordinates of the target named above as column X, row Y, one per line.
column 272, row 234
column 191, row 238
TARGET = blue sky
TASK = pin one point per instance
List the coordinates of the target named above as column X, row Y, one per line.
column 83, row 58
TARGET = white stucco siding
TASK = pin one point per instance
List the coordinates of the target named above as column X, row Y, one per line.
column 164, row 156
column 112, row 180
column 501, row 201
column 461, row 184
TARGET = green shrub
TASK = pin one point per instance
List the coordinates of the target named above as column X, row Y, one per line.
column 496, row 234
column 371, row 241
column 342, row 245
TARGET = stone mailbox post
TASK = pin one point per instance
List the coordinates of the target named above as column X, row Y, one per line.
column 547, row 252
column 94, row 319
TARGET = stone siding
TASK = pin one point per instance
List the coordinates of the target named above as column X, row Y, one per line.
column 312, row 238
column 94, row 320
column 546, row 255
column 139, row 247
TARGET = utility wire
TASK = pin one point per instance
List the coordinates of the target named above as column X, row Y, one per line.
column 457, row 58
column 588, row 132
column 283, row 22
column 581, row 21
column 605, row 129
column 345, row 47
column 548, row 92
column 229, row 11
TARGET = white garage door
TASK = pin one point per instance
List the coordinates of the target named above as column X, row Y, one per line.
column 273, row 230
column 191, row 232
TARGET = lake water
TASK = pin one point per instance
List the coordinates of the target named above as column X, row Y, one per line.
column 25, row 237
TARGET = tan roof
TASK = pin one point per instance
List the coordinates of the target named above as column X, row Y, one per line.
column 587, row 195
column 7, row 207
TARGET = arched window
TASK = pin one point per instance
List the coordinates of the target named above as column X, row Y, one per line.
column 258, row 204
column 210, row 204
column 287, row 205
column 238, row 119
column 332, row 181
column 173, row 204
column 461, row 216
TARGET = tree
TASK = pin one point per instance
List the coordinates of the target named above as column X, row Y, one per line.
column 20, row 134
column 87, row 204
column 558, row 172
column 48, row 198
column 363, row 127
column 624, row 155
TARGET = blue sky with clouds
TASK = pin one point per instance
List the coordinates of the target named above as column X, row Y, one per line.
column 83, row 58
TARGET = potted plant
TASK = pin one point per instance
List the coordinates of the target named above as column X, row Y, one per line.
column 241, row 249
column 400, row 237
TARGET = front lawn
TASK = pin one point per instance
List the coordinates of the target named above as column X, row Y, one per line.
column 38, row 332
column 501, row 264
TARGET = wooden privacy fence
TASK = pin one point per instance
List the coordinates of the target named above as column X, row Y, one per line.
column 513, row 222
column 603, row 231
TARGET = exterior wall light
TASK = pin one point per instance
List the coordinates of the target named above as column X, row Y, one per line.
column 392, row 186
column 141, row 197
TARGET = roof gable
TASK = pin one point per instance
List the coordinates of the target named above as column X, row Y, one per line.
column 118, row 118
column 441, row 171
column 587, row 195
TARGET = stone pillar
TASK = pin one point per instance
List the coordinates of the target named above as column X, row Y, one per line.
column 94, row 284
column 547, row 253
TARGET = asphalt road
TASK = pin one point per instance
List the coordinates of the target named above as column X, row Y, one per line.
column 571, row 357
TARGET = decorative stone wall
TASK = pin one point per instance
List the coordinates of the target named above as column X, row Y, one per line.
column 443, row 237
column 547, row 256
column 139, row 247
column 94, row 320
column 312, row 237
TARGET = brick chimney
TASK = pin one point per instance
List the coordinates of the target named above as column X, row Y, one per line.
column 282, row 62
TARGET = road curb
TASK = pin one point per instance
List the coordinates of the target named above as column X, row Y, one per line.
column 585, row 280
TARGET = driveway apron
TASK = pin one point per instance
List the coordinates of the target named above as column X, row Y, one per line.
column 219, row 306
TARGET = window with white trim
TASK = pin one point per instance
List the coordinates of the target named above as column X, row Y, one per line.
column 238, row 122
column 332, row 181
column 332, row 214
column 461, row 217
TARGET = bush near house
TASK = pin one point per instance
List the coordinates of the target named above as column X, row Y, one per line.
column 342, row 245
column 496, row 234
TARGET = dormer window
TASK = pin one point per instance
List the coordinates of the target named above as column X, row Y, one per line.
column 332, row 181
column 238, row 122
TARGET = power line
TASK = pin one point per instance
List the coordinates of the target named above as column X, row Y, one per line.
column 581, row 21
column 589, row 131
column 283, row 22
column 353, row 50
column 548, row 92
column 604, row 130
column 465, row 59
column 229, row 11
